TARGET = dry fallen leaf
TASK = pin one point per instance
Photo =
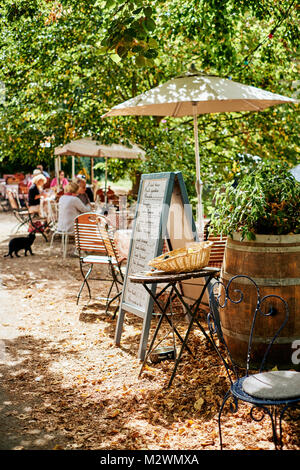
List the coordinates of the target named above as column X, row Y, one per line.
column 121, row 410
column 198, row 404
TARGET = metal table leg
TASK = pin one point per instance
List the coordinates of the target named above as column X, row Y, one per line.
column 192, row 311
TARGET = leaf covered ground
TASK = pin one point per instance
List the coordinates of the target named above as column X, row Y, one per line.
column 66, row 385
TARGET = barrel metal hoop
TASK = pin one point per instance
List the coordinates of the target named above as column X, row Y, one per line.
column 257, row 339
column 262, row 281
column 263, row 249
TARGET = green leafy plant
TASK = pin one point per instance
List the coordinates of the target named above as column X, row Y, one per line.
column 266, row 201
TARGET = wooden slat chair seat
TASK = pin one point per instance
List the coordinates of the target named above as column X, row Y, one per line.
column 90, row 247
column 115, row 260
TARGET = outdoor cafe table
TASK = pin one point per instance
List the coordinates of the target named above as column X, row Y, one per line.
column 171, row 282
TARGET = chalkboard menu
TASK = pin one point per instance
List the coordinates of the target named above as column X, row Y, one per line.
column 147, row 233
column 153, row 223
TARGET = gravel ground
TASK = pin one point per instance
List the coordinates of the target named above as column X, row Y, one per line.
column 66, row 385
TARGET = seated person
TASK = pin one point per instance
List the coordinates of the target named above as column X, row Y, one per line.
column 84, row 193
column 69, row 207
column 100, row 195
column 110, row 193
column 45, row 173
column 30, row 177
column 59, row 183
column 35, row 192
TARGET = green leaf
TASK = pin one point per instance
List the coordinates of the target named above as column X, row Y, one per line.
column 140, row 61
column 137, row 48
column 122, row 51
column 151, row 54
column 115, row 57
column 149, row 24
column 148, row 11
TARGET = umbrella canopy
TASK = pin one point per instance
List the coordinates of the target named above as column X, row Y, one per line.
column 90, row 148
column 185, row 95
column 296, row 172
column 193, row 94
column 93, row 149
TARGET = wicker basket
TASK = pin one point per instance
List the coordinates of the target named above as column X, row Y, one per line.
column 183, row 260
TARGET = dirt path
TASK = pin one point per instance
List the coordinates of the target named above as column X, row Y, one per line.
column 65, row 385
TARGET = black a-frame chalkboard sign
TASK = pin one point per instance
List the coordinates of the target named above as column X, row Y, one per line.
column 163, row 213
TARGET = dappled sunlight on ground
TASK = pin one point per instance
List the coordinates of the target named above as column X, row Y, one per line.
column 66, row 385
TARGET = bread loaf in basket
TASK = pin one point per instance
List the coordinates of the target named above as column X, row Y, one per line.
column 193, row 257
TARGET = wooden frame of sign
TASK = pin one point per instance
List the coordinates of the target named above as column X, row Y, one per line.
column 163, row 212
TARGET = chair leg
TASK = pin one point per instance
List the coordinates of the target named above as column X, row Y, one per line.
column 277, row 442
column 21, row 223
column 51, row 242
column 110, row 289
column 38, row 229
column 117, row 307
column 227, row 396
column 65, row 244
column 114, row 282
column 62, row 244
column 110, row 302
column 280, row 421
column 84, row 282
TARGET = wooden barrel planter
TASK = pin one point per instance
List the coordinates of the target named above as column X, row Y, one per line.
column 273, row 262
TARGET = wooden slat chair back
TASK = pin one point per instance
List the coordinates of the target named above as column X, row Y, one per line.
column 92, row 251
column 115, row 260
column 108, row 241
column 87, row 237
column 217, row 250
column 12, row 200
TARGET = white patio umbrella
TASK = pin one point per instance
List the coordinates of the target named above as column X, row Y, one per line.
column 197, row 93
column 91, row 148
column 296, row 172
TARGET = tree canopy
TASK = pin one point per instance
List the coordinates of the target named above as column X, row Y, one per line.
column 64, row 64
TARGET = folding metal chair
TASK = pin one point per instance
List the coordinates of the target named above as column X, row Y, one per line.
column 4, row 204
column 21, row 213
column 91, row 251
column 114, row 259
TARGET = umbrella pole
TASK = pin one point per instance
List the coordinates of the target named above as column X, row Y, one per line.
column 56, row 168
column 92, row 170
column 105, row 180
column 200, row 221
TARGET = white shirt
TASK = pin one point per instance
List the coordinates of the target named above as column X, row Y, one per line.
column 69, row 207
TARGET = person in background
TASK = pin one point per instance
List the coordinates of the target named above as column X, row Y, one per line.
column 69, row 207
column 84, row 191
column 59, row 183
column 34, row 173
column 35, row 192
column 40, row 167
